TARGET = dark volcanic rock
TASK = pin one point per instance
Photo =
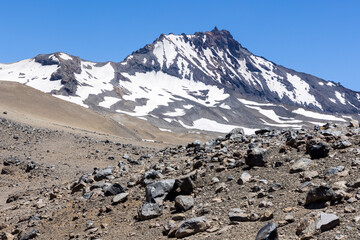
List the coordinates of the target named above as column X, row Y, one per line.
column 186, row 183
column 113, row 189
column 159, row 190
column 256, row 157
column 268, row 232
column 322, row 193
column 317, row 149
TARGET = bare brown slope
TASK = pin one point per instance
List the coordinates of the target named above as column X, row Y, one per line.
column 28, row 105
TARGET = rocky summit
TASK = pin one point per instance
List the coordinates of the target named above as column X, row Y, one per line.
column 275, row 184
column 205, row 81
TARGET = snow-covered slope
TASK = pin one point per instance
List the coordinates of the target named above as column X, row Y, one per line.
column 206, row 81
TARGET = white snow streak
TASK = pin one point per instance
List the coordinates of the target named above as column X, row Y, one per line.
column 248, row 102
column 316, row 115
column 108, row 102
column 340, row 97
column 273, row 116
column 211, row 125
column 177, row 113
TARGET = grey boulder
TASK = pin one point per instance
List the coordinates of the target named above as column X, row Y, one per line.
column 149, row 211
column 184, row 203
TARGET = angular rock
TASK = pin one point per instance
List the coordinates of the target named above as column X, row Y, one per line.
column 321, row 193
column 192, row 226
column 245, row 177
column 317, row 149
column 291, row 138
column 268, row 232
column 335, row 170
column 149, row 210
column 239, row 215
column 342, row 144
column 31, row 235
column 121, row 197
column 306, row 227
column 150, row 177
column 103, row 174
column 327, row 222
column 184, row 203
column 77, row 187
column 113, row 189
column 186, row 183
column 159, row 190
column 235, row 133
column 301, row 165
column 314, row 223
column 256, row 157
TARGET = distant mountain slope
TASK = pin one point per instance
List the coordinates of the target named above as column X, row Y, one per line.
column 205, row 81
column 30, row 106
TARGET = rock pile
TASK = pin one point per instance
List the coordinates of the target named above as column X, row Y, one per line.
column 275, row 184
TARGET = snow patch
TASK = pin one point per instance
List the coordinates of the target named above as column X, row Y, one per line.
column 165, row 130
column 163, row 87
column 92, row 81
column 188, row 106
column 273, row 116
column 248, row 102
column 108, row 102
column 31, row 73
column 73, row 99
column 211, row 125
column 340, row 97
column 65, row 56
column 332, row 100
column 281, row 125
column 316, row 115
column 223, row 105
column 177, row 113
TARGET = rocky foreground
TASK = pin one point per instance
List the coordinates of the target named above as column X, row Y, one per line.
column 289, row 184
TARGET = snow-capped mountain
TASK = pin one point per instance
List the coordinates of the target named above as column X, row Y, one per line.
column 204, row 81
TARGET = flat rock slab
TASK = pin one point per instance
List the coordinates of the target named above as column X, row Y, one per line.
column 122, row 197
column 301, row 165
column 327, row 221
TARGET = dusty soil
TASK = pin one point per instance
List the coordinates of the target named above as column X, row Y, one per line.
column 39, row 167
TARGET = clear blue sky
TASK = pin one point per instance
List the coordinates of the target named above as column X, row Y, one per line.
column 320, row 37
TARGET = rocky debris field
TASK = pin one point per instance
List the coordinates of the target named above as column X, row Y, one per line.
column 288, row 184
